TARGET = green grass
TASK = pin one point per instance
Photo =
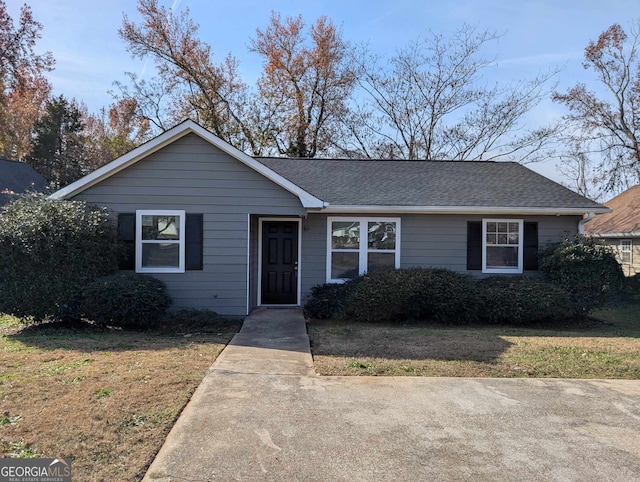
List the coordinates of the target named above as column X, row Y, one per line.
column 607, row 346
column 7, row 321
column 624, row 318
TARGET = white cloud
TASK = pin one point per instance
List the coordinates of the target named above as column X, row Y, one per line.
column 545, row 59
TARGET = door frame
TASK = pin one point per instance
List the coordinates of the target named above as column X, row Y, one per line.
column 299, row 282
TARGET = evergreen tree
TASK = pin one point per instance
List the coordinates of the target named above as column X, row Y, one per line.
column 58, row 150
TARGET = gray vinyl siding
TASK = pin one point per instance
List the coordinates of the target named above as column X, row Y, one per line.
column 441, row 240
column 427, row 240
column 313, row 265
column 192, row 175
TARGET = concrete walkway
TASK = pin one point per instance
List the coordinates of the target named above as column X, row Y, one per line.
column 261, row 414
column 270, row 342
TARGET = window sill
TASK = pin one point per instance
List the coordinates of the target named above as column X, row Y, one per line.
column 338, row 281
column 159, row 270
column 502, row 271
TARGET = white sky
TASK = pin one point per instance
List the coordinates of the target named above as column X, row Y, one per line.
column 538, row 34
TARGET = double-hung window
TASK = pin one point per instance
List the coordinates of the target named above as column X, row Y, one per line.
column 625, row 251
column 361, row 245
column 502, row 247
column 160, row 241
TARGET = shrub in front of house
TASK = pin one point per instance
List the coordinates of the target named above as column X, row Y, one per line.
column 521, row 300
column 584, row 267
column 633, row 284
column 379, row 296
column 48, row 251
column 328, row 300
column 126, row 300
column 417, row 294
column 441, row 295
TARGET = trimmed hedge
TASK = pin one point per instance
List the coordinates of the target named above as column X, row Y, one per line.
column 328, row 300
column 126, row 300
column 434, row 294
column 521, row 300
column 585, row 267
column 443, row 296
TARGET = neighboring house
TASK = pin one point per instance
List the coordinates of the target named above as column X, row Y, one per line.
column 620, row 229
column 230, row 232
column 16, row 178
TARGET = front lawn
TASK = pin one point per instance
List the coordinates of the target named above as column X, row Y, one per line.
column 106, row 398
column 607, row 346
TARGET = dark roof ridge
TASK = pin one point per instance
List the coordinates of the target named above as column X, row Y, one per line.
column 340, row 159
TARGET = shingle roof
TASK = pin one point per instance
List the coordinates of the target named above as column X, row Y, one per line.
column 625, row 217
column 427, row 183
column 17, row 177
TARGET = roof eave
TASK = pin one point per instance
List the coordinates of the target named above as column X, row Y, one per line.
column 630, row 234
column 564, row 211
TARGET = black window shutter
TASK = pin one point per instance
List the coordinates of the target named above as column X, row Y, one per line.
column 530, row 246
column 474, row 245
column 127, row 236
column 193, row 242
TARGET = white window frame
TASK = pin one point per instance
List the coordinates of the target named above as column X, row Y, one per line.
column 363, row 249
column 180, row 242
column 515, row 270
column 623, row 250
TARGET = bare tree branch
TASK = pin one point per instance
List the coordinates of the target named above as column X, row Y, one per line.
column 609, row 127
column 428, row 102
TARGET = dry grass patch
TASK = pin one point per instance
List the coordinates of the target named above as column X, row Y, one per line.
column 106, row 398
column 605, row 348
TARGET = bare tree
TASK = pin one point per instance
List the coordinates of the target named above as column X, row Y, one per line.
column 306, row 83
column 212, row 94
column 577, row 167
column 607, row 128
column 152, row 99
column 299, row 98
column 429, row 102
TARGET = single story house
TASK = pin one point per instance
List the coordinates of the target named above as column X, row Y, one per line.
column 16, row 178
column 230, row 232
column 620, row 229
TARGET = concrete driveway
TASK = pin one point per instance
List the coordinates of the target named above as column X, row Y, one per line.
column 262, row 414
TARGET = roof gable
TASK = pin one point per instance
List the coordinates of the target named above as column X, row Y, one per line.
column 623, row 220
column 166, row 138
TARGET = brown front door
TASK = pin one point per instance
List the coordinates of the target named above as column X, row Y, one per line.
column 279, row 282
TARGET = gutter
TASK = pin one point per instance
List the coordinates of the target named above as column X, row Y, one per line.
column 485, row 210
column 631, row 234
column 584, row 221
